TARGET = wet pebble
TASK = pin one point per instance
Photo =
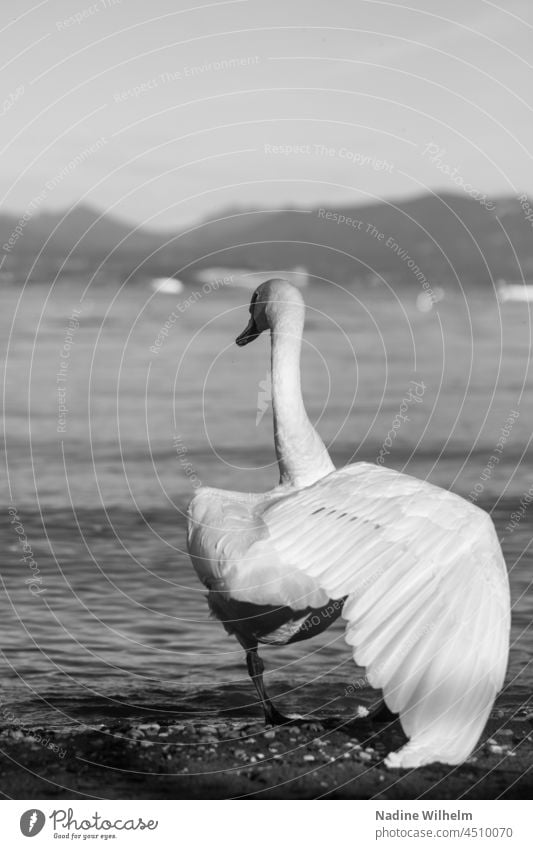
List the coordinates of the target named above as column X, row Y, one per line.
column 149, row 727
column 208, row 729
column 210, row 741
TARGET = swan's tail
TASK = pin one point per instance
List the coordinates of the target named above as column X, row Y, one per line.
column 446, row 724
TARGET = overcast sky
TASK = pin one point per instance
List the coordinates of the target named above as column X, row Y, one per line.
column 169, row 111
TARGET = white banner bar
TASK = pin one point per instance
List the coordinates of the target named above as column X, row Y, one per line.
column 255, row 825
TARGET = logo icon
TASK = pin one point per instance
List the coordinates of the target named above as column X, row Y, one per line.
column 32, row 822
column 264, row 397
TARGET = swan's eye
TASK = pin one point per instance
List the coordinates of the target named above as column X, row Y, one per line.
column 252, row 302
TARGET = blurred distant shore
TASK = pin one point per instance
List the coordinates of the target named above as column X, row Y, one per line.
column 452, row 238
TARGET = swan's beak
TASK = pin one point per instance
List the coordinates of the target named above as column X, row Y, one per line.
column 249, row 334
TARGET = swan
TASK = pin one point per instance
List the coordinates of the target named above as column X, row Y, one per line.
column 416, row 571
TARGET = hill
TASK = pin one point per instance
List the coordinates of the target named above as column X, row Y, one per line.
column 452, row 236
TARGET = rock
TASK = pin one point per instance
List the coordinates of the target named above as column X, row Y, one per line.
column 365, row 756
column 210, row 741
column 149, row 727
column 208, row 729
column 269, row 735
column 309, row 758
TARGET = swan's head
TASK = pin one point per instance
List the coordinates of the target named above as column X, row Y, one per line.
column 273, row 303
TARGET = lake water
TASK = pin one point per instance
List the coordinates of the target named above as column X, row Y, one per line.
column 106, row 438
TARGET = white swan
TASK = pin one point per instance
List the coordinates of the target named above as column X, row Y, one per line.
column 421, row 569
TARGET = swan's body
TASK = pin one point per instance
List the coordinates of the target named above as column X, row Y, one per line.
column 416, row 571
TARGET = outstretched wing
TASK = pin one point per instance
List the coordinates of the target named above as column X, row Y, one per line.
column 428, row 596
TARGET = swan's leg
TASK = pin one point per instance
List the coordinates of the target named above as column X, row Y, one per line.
column 256, row 668
column 381, row 713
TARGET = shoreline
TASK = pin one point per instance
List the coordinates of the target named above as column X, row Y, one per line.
column 237, row 757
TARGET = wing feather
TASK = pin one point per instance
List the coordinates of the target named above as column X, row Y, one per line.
column 428, row 596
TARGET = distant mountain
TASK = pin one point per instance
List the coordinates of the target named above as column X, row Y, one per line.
column 447, row 236
column 82, row 230
column 450, row 235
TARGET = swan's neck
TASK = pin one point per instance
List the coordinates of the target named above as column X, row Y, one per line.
column 302, row 456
